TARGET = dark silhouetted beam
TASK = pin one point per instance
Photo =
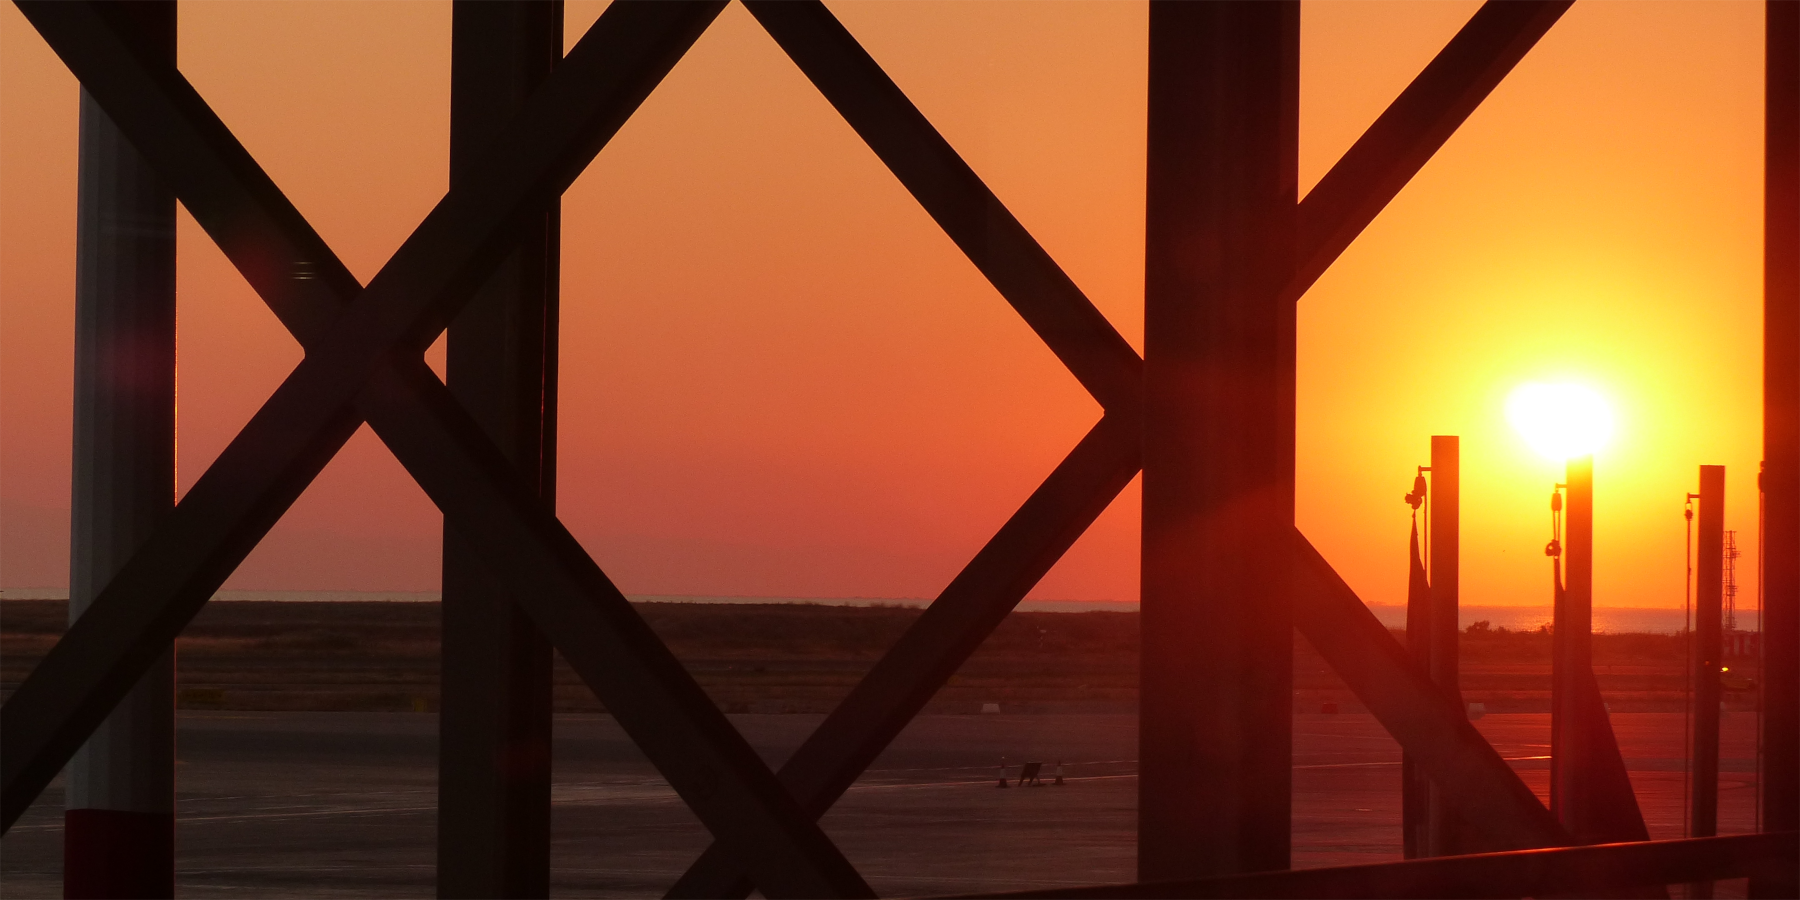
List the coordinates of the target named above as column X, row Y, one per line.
column 1446, row 614
column 1572, row 729
column 1502, row 812
column 119, row 819
column 1215, row 723
column 1590, row 789
column 1413, row 127
column 956, row 198
column 944, row 636
column 493, row 814
column 1597, row 870
column 1709, row 594
column 1445, row 562
column 1781, row 438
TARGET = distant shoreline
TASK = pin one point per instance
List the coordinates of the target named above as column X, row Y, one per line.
column 1615, row 620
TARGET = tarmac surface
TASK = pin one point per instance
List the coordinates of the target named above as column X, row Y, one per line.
column 343, row 804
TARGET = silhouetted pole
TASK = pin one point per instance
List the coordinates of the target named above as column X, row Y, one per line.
column 1709, row 556
column 1415, row 787
column 494, row 727
column 1781, row 437
column 1446, row 615
column 1572, row 640
column 1218, row 510
column 119, row 828
column 1432, row 632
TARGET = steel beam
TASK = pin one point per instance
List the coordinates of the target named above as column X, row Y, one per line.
column 1590, row 789
column 1592, row 871
column 493, row 834
column 1781, row 438
column 1430, row 726
column 1502, row 812
column 931, row 650
column 1572, row 653
column 119, row 824
column 1344, row 202
column 1413, row 127
column 642, row 685
column 1446, row 615
column 1446, row 566
column 1215, row 697
column 970, row 214
column 1709, row 580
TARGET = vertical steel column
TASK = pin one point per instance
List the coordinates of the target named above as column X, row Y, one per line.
column 1216, row 727
column 1781, row 436
column 1573, row 651
column 1446, row 615
column 119, row 828
column 494, row 728
column 1709, row 564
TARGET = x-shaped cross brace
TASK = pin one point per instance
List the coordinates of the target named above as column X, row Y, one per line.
column 1346, row 200
column 364, row 361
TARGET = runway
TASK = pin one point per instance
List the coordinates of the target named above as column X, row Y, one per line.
column 343, row 804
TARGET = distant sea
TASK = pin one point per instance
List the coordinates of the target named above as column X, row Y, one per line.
column 1616, row 619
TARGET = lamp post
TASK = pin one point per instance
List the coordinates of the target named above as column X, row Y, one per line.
column 1572, row 647
column 1590, row 790
column 1703, row 815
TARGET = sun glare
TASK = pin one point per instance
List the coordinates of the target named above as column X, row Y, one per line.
column 1560, row 421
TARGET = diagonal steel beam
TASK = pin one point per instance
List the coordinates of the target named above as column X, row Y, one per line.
column 706, row 760
column 942, row 638
column 1430, row 725
column 1413, row 127
column 542, row 567
column 956, row 198
column 1344, row 202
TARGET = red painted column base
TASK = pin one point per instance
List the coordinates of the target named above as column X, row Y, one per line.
column 110, row 854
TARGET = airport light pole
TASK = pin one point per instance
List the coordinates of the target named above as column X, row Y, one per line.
column 1572, row 647
column 1703, row 815
column 1445, row 528
column 1590, row 790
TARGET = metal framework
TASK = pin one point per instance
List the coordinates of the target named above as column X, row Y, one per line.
column 1223, row 136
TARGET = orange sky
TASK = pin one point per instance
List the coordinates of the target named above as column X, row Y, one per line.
column 780, row 379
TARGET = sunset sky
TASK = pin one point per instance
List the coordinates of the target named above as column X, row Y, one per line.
column 780, row 378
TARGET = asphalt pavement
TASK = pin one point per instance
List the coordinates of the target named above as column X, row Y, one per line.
column 343, row 804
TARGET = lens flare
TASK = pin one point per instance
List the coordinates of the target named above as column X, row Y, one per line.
column 1560, row 421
